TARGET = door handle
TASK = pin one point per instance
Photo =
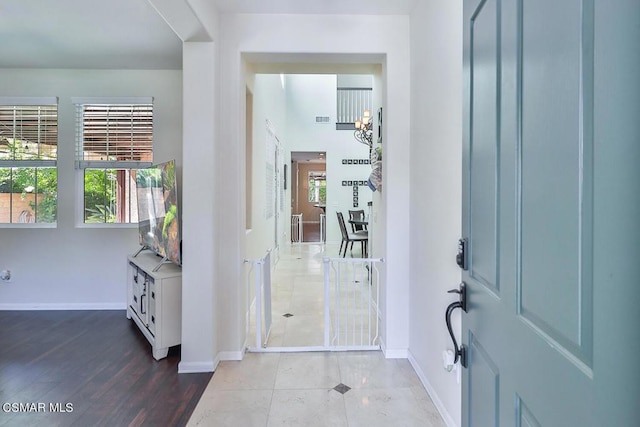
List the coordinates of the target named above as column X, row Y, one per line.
column 460, row 352
column 462, row 291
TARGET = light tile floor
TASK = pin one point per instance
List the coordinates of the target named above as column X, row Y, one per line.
column 298, row 289
column 308, row 389
column 301, row 389
column 298, row 293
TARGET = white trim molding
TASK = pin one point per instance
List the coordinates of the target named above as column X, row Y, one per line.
column 197, row 367
column 432, row 393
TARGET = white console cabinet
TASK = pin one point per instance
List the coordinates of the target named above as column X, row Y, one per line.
column 154, row 301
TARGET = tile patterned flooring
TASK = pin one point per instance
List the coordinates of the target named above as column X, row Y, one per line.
column 297, row 301
column 299, row 389
column 311, row 388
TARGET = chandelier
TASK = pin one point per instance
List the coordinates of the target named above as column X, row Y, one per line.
column 363, row 132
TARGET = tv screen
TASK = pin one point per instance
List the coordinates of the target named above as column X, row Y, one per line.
column 158, row 220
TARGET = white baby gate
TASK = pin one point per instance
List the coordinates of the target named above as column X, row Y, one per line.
column 352, row 312
column 261, row 269
column 296, row 228
column 351, row 305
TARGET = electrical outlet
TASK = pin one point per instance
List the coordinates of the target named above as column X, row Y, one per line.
column 5, row 276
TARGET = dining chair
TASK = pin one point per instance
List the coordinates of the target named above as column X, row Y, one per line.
column 357, row 215
column 362, row 237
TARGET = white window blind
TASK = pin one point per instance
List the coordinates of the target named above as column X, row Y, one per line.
column 29, row 133
column 114, row 135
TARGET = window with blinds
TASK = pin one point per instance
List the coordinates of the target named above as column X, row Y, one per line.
column 28, row 132
column 115, row 134
column 113, row 140
column 28, row 160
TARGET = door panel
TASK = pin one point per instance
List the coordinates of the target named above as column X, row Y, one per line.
column 484, row 146
column 484, row 387
column 555, row 173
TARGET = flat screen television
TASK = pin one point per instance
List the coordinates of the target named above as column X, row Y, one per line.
column 158, row 219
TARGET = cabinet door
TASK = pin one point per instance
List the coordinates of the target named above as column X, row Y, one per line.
column 137, row 286
column 144, row 298
column 152, row 305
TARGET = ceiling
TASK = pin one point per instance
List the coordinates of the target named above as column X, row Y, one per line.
column 308, row 156
column 112, row 34
column 129, row 34
column 328, row 7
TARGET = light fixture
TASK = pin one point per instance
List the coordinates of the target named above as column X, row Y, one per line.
column 364, row 133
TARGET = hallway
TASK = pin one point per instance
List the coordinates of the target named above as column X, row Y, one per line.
column 313, row 388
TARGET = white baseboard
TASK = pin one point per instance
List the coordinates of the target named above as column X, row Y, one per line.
column 432, row 393
column 196, row 367
column 64, row 306
column 207, row 366
column 230, row 355
column 396, row 353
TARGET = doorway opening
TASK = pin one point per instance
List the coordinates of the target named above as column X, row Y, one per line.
column 309, row 196
column 325, row 171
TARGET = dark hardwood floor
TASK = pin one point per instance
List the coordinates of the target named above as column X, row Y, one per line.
column 95, row 365
column 311, row 232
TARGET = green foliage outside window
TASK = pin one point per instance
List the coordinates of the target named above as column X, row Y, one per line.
column 100, row 192
column 322, row 196
column 100, row 196
column 317, row 189
column 42, row 182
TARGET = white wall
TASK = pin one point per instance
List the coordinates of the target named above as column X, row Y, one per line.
column 313, row 34
column 67, row 266
column 269, row 103
column 436, row 158
column 199, row 299
column 311, row 95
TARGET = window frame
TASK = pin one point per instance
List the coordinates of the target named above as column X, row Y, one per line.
column 82, row 165
column 317, row 177
column 17, row 101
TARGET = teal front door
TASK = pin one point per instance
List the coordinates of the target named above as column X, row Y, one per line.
column 551, row 208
